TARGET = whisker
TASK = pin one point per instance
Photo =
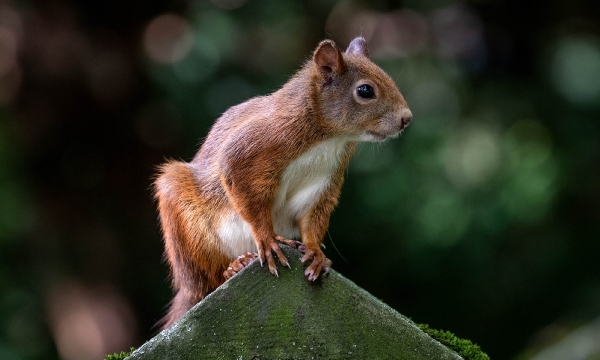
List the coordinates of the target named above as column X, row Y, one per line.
column 401, row 72
column 335, row 247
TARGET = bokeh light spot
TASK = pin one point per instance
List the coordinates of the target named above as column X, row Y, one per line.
column 88, row 323
column 575, row 70
column 443, row 218
column 459, row 32
column 531, row 171
column 201, row 63
column 8, row 50
column 528, row 143
column 168, row 38
column 472, row 156
column 529, row 193
column 400, row 34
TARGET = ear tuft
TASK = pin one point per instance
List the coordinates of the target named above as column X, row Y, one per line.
column 358, row 46
column 329, row 58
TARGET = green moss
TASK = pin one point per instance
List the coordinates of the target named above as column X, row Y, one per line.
column 464, row 348
column 120, row 356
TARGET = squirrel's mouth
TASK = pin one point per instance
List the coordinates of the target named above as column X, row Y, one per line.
column 389, row 133
column 377, row 136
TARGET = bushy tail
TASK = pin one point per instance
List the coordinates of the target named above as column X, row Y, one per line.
column 177, row 308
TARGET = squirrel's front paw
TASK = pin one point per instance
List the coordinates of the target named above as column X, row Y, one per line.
column 238, row 264
column 320, row 264
column 265, row 249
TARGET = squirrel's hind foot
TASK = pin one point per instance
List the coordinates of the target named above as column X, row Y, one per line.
column 238, row 264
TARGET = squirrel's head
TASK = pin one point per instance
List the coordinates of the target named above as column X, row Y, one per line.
column 356, row 96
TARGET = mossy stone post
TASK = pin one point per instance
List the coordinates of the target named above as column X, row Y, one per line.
column 256, row 315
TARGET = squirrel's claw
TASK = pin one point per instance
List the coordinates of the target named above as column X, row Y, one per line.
column 320, row 264
column 238, row 264
column 265, row 251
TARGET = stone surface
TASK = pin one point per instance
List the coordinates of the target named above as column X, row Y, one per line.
column 256, row 315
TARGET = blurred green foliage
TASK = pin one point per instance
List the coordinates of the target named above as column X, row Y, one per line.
column 481, row 219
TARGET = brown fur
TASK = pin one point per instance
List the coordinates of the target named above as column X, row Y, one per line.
column 239, row 168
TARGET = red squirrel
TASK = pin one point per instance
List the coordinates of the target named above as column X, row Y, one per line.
column 270, row 172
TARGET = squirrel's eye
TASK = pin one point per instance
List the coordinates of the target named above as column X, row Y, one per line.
column 365, row 91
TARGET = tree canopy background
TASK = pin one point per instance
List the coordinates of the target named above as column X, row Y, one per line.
column 482, row 219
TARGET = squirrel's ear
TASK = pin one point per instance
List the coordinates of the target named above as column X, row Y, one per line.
column 328, row 59
column 358, row 46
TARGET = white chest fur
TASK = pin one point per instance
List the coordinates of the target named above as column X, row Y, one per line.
column 301, row 186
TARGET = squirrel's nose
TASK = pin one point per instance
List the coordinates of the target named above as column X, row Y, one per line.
column 405, row 117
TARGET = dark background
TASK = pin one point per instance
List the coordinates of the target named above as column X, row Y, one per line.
column 482, row 219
